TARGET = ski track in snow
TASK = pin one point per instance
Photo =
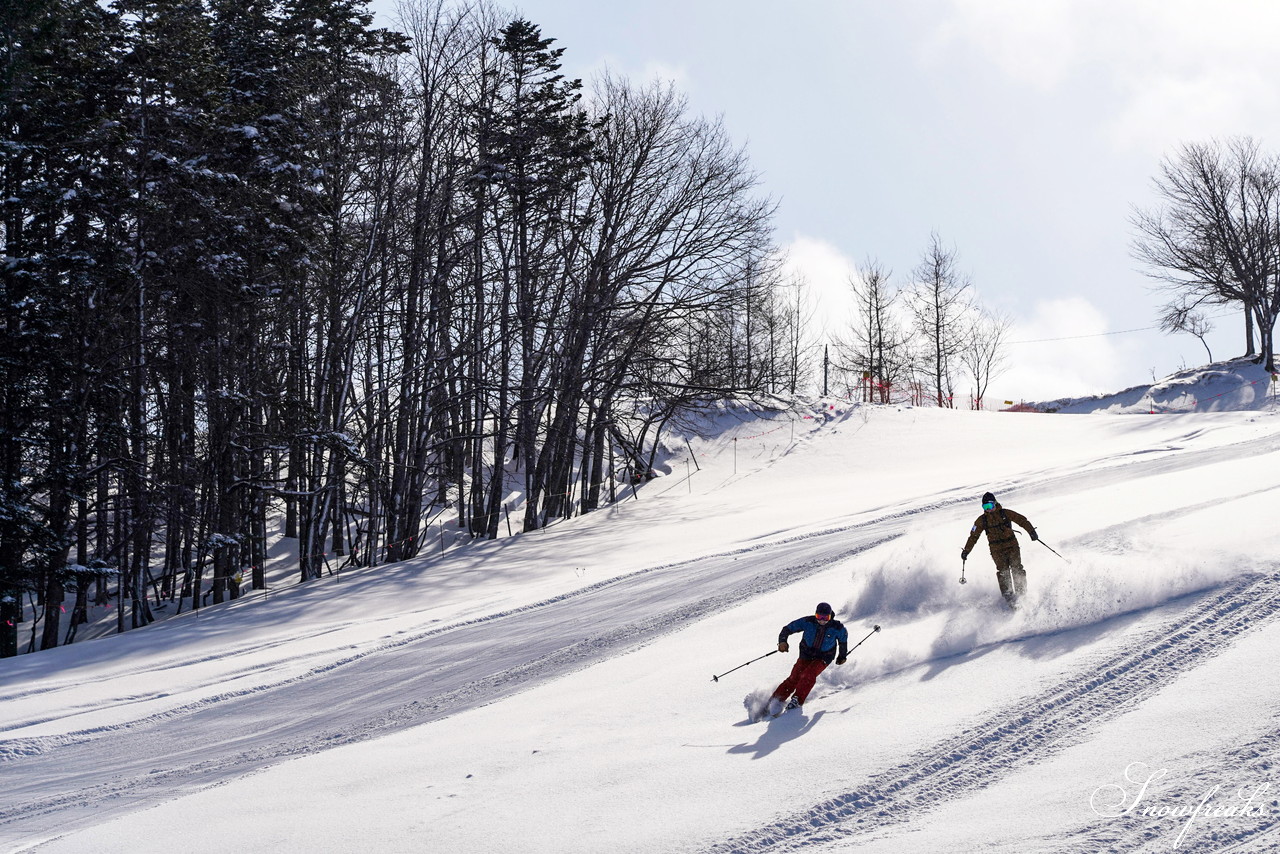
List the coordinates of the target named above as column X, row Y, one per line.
column 1036, row 727
column 188, row 748
column 1253, row 762
column 450, row 669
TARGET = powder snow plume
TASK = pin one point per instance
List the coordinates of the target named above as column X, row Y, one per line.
column 912, row 590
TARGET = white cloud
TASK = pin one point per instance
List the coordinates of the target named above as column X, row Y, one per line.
column 1191, row 70
column 638, row 75
column 826, row 272
column 1064, row 349
column 1163, row 110
column 1157, row 72
column 1030, row 41
column 665, row 73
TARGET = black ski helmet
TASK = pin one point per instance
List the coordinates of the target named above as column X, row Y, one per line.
column 824, row 608
column 988, row 497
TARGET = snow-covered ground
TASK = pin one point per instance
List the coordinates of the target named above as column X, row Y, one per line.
column 552, row 692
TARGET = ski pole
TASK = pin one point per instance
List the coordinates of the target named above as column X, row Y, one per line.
column 864, row 640
column 962, row 561
column 752, row 661
column 1051, row 548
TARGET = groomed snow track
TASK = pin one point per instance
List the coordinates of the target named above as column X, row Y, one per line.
column 446, row 671
column 1032, row 729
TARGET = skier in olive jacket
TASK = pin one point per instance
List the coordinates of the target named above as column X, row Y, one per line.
column 997, row 523
column 824, row 639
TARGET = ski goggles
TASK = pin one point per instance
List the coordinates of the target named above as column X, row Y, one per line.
column 988, row 505
column 822, row 618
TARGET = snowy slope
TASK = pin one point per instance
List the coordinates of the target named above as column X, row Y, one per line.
column 553, row 692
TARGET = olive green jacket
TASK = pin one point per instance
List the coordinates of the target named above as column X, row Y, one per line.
column 997, row 524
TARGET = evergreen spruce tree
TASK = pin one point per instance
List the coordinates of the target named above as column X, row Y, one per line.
column 59, row 105
column 536, row 142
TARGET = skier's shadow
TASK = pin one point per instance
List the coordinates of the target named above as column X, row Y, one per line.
column 778, row 732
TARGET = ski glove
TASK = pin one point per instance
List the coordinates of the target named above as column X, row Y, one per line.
column 1034, row 536
column 782, row 646
column 964, row 554
column 841, row 660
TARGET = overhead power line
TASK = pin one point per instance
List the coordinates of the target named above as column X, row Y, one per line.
column 1103, row 334
column 1094, row 335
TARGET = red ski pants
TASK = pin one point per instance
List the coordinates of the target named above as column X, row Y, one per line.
column 800, row 682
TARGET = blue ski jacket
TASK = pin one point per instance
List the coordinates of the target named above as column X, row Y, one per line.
column 819, row 642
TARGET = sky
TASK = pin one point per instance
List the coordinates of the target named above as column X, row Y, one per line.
column 1023, row 133
column 552, row 691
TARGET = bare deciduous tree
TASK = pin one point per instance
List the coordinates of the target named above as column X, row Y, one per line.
column 877, row 351
column 1182, row 316
column 1216, row 238
column 938, row 301
column 983, row 354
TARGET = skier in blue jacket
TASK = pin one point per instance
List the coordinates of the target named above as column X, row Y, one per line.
column 824, row 639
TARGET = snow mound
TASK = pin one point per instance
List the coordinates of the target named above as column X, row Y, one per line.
column 1233, row 385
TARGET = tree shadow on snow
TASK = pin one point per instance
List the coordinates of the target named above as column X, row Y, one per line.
column 778, row 732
